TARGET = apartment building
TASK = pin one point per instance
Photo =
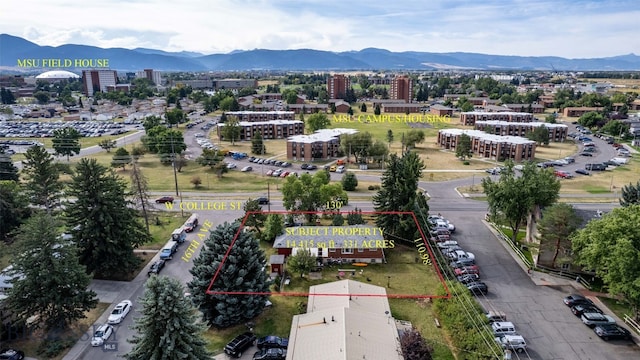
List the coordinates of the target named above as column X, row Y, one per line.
column 470, row 117
column 490, row 146
column 401, row 108
column 149, row 74
column 441, row 110
column 308, row 108
column 530, row 108
column 235, row 84
column 579, row 111
column 557, row 132
column 273, row 129
column 337, row 86
column 261, row 115
column 321, row 145
column 401, row 88
column 98, row 80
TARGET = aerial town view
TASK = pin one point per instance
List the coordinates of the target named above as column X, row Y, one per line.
column 319, row 180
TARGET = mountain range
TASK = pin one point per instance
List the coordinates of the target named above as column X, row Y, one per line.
column 14, row 50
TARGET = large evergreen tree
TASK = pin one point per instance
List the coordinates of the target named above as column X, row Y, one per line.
column 169, row 327
column 12, row 209
column 630, row 194
column 257, row 144
column 51, row 283
column 8, row 171
column 242, row 275
column 42, row 178
column 399, row 193
column 66, row 142
column 103, row 221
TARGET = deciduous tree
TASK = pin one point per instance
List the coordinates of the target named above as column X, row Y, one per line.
column 349, row 181
column 611, row 246
column 414, row 346
column 413, row 137
column 140, row 192
column 255, row 218
column 50, row 282
column 169, row 327
column 463, row 147
column 514, row 198
column 102, row 220
column 273, row 227
column 558, row 222
column 237, row 261
column 301, row 262
column 231, row 130
column 317, row 121
column 107, row 144
column 121, row 158
column 310, row 193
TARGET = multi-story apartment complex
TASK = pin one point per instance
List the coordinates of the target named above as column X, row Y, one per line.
column 470, row 117
column 401, row 88
column 323, row 144
column 98, row 80
column 557, row 132
column 273, row 129
column 337, row 86
column 149, row 74
column 579, row 111
column 490, row 146
column 261, row 115
column 235, row 84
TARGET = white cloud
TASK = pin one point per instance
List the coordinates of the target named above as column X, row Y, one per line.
column 570, row 28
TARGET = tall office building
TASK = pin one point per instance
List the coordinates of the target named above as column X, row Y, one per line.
column 401, row 88
column 149, row 74
column 98, row 80
column 337, row 86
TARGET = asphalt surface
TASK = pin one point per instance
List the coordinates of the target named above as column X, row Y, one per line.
column 551, row 330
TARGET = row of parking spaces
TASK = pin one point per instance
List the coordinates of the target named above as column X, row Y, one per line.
column 604, row 326
column 40, row 129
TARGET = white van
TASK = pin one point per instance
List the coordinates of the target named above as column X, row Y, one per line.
column 501, row 328
column 340, row 169
column 191, row 223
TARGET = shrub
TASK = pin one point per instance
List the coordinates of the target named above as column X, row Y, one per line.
column 349, row 181
column 374, row 187
column 465, row 162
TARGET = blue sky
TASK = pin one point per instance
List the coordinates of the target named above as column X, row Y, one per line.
column 567, row 28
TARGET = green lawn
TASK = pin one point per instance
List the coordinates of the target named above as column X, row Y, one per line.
column 407, row 277
column 620, row 308
column 161, row 225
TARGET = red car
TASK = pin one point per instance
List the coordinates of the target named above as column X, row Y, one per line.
column 467, row 270
column 164, row 199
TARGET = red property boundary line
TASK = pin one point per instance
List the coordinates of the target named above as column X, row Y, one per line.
column 396, row 296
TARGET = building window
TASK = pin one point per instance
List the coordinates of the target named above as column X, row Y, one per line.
column 566, row 266
column 360, row 250
column 332, row 250
column 347, row 251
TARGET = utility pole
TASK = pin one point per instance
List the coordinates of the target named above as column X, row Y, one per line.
column 175, row 173
column 268, row 196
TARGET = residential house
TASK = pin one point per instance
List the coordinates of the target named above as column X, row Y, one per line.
column 354, row 243
column 441, row 110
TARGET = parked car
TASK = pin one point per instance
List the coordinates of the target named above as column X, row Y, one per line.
column 340, row 169
column 102, row 334
column 611, row 332
column 463, row 263
column 246, row 169
column 272, row 341
column 120, row 312
column 563, row 174
column 270, row 354
column 468, row 278
column 494, row 316
column 594, row 319
column 582, row 171
column 312, row 167
column 156, row 267
column 575, row 299
column 239, row 344
column 512, row 342
column 231, row 166
column 164, row 199
column 262, row 200
column 466, row 270
column 11, row 354
column 333, row 168
column 304, row 166
column 460, row 254
column 587, row 154
column 478, row 288
column 446, row 244
column 580, row 309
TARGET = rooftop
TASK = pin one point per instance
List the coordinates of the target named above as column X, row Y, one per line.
column 488, row 137
column 534, row 123
column 490, row 113
column 322, row 135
